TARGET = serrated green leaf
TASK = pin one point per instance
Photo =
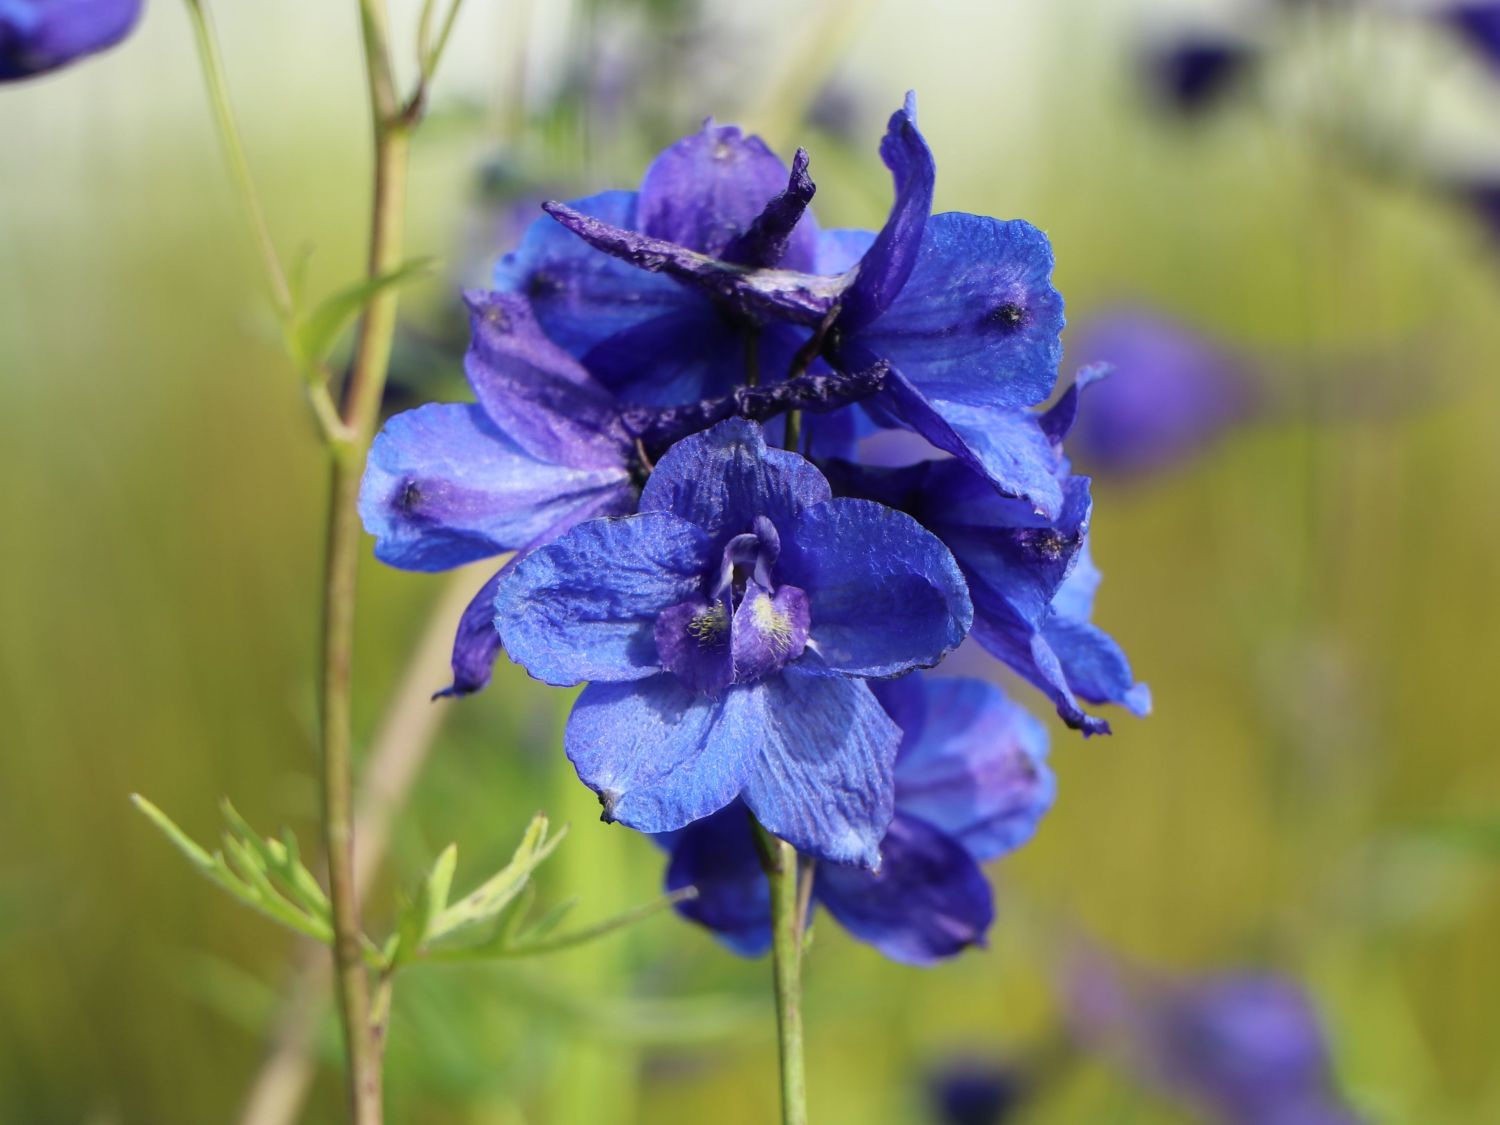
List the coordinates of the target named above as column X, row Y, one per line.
column 180, row 839
column 314, row 337
column 440, row 878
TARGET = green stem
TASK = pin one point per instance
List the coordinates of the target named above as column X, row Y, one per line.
column 234, row 150
column 793, row 430
column 372, row 353
column 788, row 912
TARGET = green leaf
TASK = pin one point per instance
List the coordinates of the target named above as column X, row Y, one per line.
column 314, row 337
column 265, row 875
column 487, row 903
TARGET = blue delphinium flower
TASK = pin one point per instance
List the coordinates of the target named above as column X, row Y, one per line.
column 1170, row 393
column 960, row 307
column 1246, row 1048
column 541, row 450
column 41, row 35
column 726, row 633
column 971, row 784
column 1194, row 71
column 1030, row 577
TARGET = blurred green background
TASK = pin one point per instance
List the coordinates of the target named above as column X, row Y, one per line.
column 1313, row 600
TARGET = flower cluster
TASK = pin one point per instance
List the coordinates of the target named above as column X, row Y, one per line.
column 743, row 614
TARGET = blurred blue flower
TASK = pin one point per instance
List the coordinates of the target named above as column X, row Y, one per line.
column 41, row 35
column 669, row 294
column 1030, row 577
column 726, row 632
column 1477, row 23
column 1170, row 392
column 971, row 784
column 1195, row 71
column 971, row 1091
column 1245, row 1048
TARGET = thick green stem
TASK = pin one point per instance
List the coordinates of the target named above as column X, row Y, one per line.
column 788, row 913
column 372, row 354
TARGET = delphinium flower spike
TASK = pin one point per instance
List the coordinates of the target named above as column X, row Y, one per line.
column 726, row 633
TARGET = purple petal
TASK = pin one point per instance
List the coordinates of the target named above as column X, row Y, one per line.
column 579, row 295
column 709, row 188
column 769, row 631
column 585, row 606
column 693, row 640
column 769, row 239
column 886, row 267
column 972, row 763
column 839, row 251
column 821, row 753
column 725, row 477
column 886, row 595
column 537, row 393
column 681, row 357
column 658, row 754
column 928, row 900
column 443, row 487
column 718, row 856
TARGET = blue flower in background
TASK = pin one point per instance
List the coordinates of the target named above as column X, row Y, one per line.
column 1170, row 393
column 968, row 1091
column 1246, row 1048
column 1195, row 71
column 960, row 307
column 971, row 784
column 1030, row 577
column 41, row 35
column 450, row 483
column 1477, row 23
column 726, row 632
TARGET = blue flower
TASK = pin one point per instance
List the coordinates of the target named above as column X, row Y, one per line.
column 726, row 632
column 41, row 35
column 971, row 784
column 1246, row 1048
column 1170, row 393
column 969, row 1091
column 1196, row 70
column 450, row 483
column 1477, row 23
column 1030, row 577
column 960, row 307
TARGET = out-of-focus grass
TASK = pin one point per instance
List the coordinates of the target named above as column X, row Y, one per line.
column 1313, row 603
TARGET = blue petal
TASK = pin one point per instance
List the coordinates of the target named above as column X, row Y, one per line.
column 717, row 855
column 476, row 645
column 708, row 188
column 443, row 486
column 928, row 900
column 840, row 250
column 1008, row 447
column 978, row 323
column 891, row 259
column 1095, row 666
column 972, row 763
column 537, row 393
column 821, row 753
column 723, row 478
column 580, row 295
column 886, row 595
column 585, row 607
column 41, row 35
column 659, row 755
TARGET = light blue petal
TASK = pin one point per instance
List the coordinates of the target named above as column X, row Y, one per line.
column 659, row 755
column 585, row 606
column 443, row 487
column 885, row 594
column 821, row 753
